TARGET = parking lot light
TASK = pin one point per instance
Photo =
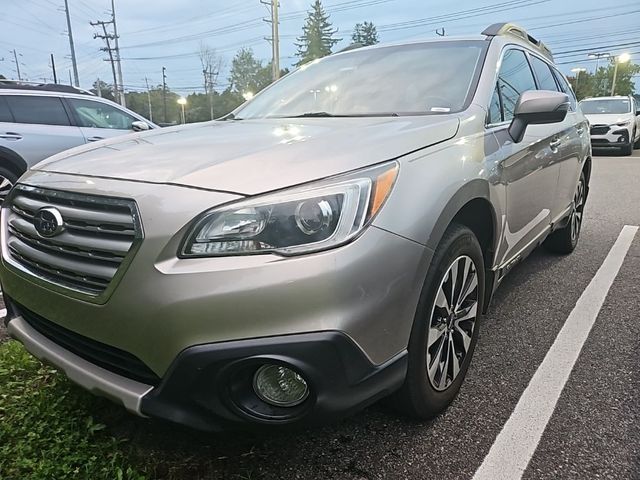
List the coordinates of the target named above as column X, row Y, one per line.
column 622, row 58
column 182, row 102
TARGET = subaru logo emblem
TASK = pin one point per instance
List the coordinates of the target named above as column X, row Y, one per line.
column 48, row 222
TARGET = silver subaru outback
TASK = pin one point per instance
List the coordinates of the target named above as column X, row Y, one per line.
column 331, row 242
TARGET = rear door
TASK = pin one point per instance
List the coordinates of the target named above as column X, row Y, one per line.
column 40, row 127
column 99, row 120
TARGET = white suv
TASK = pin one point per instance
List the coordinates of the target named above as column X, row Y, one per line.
column 39, row 121
column 615, row 122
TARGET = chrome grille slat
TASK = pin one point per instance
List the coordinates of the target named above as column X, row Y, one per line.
column 42, row 244
column 82, row 214
column 98, row 237
column 83, row 283
column 61, row 261
column 116, row 247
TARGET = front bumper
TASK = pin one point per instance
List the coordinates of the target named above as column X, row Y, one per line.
column 208, row 387
column 615, row 137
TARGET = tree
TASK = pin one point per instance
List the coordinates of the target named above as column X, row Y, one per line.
column 365, row 34
column 598, row 84
column 104, row 90
column 317, row 38
column 211, row 65
column 247, row 73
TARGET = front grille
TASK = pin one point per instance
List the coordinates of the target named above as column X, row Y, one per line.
column 599, row 129
column 105, row 356
column 99, row 233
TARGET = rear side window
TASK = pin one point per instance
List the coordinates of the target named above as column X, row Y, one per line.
column 39, row 110
column 5, row 113
column 514, row 78
column 543, row 74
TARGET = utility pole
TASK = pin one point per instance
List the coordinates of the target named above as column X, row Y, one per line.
column 149, row 99
column 275, row 37
column 116, row 36
column 73, row 50
column 106, row 37
column 15, row 57
column 164, row 94
column 70, row 82
column 53, row 68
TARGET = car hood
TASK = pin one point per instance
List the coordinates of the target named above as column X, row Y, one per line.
column 608, row 118
column 253, row 156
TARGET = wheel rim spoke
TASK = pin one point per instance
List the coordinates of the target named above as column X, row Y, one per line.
column 5, row 187
column 452, row 322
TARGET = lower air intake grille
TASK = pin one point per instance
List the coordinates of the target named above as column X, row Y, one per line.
column 105, row 356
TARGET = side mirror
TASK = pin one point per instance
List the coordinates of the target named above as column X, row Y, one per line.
column 139, row 126
column 637, row 113
column 537, row 107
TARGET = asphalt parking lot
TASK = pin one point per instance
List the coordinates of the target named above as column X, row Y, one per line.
column 593, row 432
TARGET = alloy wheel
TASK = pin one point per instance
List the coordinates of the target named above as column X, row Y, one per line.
column 578, row 207
column 452, row 322
column 5, row 186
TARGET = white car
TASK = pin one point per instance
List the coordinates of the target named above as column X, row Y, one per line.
column 37, row 121
column 615, row 122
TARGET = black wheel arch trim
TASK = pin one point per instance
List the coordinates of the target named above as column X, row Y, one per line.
column 12, row 161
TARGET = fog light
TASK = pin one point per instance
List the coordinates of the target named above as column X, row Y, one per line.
column 280, row 386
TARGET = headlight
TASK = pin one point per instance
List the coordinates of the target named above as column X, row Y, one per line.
column 623, row 124
column 299, row 220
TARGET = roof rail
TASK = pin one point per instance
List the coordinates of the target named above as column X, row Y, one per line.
column 505, row 28
column 48, row 87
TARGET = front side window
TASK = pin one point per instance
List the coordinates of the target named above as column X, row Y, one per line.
column 514, row 78
column 423, row 78
column 38, row 110
column 100, row 115
column 622, row 105
column 495, row 110
column 543, row 74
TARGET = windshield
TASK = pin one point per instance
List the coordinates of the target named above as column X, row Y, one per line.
column 424, row 78
column 622, row 105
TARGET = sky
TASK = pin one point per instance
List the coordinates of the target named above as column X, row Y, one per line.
column 168, row 33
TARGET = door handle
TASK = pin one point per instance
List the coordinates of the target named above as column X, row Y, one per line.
column 11, row 136
column 94, row 139
column 555, row 144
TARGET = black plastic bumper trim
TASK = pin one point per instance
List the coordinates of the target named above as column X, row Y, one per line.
column 196, row 391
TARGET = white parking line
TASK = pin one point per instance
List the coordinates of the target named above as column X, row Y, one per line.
column 516, row 443
column 3, row 313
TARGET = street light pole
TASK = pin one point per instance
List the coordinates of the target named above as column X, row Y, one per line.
column 182, row 102
column 623, row 58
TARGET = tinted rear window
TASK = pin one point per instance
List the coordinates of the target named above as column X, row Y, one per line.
column 5, row 114
column 39, row 110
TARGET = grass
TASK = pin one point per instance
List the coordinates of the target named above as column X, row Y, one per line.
column 48, row 429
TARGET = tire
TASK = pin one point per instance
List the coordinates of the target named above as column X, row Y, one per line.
column 637, row 144
column 627, row 149
column 427, row 392
column 7, row 180
column 565, row 240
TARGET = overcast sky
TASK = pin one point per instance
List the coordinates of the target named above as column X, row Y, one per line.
column 167, row 33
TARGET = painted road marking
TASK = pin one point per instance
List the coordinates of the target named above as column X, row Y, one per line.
column 516, row 443
column 3, row 313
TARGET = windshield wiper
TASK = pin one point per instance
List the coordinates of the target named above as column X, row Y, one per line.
column 230, row 116
column 316, row 114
